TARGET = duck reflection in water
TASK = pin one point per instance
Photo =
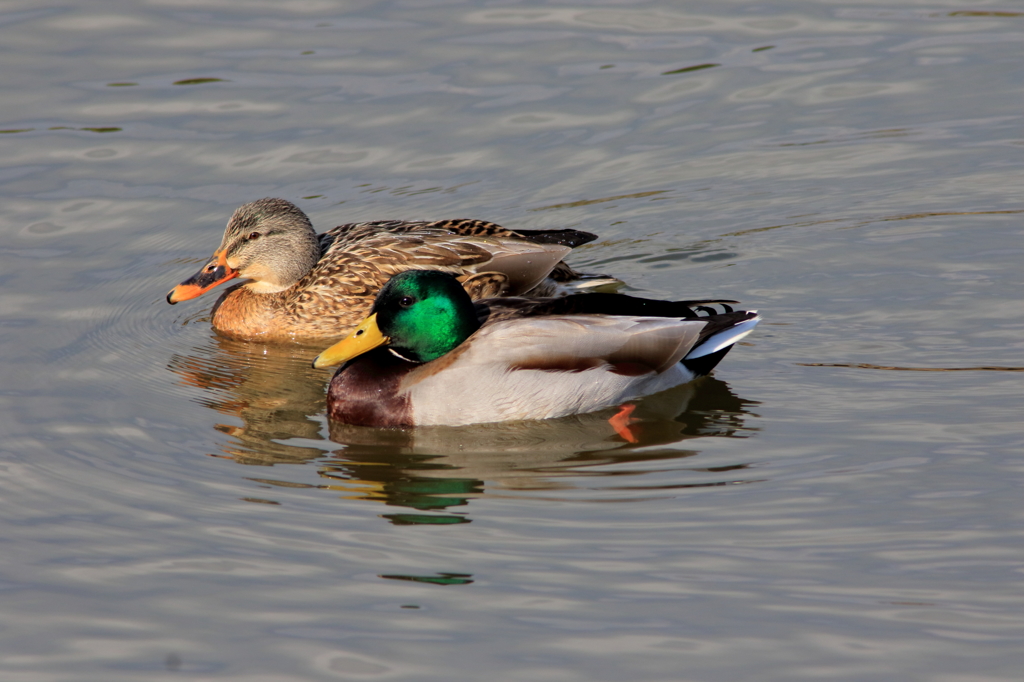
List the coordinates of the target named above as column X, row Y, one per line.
column 271, row 389
column 277, row 398
column 431, row 469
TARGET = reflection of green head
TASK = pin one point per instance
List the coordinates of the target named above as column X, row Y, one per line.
column 425, row 313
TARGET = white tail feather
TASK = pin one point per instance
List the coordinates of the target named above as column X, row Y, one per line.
column 724, row 338
column 591, row 283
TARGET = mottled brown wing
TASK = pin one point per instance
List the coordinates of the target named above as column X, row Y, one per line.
column 377, row 256
column 485, row 285
column 355, row 232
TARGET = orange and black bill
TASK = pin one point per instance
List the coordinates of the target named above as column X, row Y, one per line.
column 213, row 273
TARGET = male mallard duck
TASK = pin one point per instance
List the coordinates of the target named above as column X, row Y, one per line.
column 428, row 355
column 305, row 286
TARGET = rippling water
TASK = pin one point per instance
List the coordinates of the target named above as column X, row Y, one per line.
column 841, row 500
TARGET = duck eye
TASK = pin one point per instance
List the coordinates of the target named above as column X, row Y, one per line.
column 253, row 235
column 405, row 301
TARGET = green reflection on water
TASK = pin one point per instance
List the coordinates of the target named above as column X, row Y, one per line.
column 688, row 69
column 437, row 579
column 424, row 519
column 199, row 81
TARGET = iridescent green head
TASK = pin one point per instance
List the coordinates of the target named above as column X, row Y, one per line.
column 425, row 314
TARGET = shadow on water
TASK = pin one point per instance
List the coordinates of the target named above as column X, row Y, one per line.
column 278, row 397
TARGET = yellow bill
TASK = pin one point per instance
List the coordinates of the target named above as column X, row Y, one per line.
column 363, row 338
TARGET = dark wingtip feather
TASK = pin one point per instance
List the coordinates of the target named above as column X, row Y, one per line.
column 563, row 237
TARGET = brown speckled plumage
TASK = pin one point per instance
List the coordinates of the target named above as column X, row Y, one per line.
column 355, row 260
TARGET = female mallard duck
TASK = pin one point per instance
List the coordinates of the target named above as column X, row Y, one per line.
column 305, row 286
column 427, row 354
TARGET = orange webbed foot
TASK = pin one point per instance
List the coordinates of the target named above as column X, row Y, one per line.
column 621, row 421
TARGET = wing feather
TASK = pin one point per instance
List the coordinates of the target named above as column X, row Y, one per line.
column 376, row 258
column 575, row 342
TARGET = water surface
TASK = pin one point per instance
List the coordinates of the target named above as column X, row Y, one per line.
column 841, row 500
